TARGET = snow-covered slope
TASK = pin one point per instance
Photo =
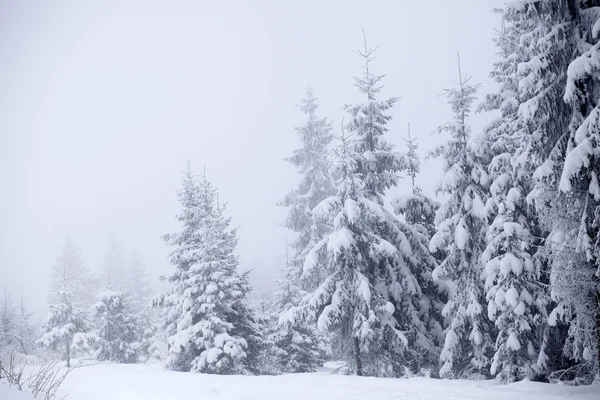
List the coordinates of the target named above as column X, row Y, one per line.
column 152, row 382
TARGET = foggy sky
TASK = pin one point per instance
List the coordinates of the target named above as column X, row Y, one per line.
column 102, row 103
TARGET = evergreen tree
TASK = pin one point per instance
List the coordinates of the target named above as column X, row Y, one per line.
column 138, row 283
column 66, row 321
column 556, row 95
column 517, row 301
column 370, row 295
column 417, row 208
column 576, row 281
column 461, row 227
column 419, row 212
column 117, row 329
column 71, row 260
column 209, row 328
column 24, row 328
column 296, row 346
column 316, row 185
column 8, row 336
column 139, row 295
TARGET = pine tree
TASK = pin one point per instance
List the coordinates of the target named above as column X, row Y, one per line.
column 419, row 212
column 554, row 90
column 85, row 284
column 117, row 329
column 417, row 208
column 296, row 346
column 369, row 296
column 8, row 316
column 138, row 289
column 210, row 329
column 316, row 185
column 66, row 321
column 576, row 281
column 461, row 227
column 24, row 328
column 517, row 301
column 138, row 285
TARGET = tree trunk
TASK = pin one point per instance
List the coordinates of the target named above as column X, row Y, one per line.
column 359, row 368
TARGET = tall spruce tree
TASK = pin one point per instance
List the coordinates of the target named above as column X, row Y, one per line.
column 419, row 211
column 298, row 344
column 517, row 300
column 576, row 284
column 556, row 101
column 370, row 296
column 311, row 161
column 461, row 227
column 210, row 329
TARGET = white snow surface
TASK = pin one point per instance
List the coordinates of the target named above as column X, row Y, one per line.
column 153, row 382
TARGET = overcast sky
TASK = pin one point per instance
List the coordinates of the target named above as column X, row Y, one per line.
column 102, row 103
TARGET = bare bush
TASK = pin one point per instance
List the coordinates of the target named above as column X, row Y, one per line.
column 43, row 381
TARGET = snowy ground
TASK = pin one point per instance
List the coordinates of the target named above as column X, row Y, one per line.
column 151, row 382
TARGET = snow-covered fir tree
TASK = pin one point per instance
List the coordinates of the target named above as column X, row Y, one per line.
column 419, row 211
column 370, row 296
column 417, row 208
column 85, row 283
column 137, row 283
column 209, row 328
column 24, row 327
column 312, row 163
column 576, row 280
column 517, row 301
column 297, row 346
column 556, row 91
column 460, row 234
column 66, row 322
column 8, row 316
column 117, row 329
column 139, row 291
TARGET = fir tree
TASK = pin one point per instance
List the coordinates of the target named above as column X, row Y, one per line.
column 138, row 283
column 517, row 300
column 576, row 281
column 296, row 346
column 419, row 212
column 139, row 295
column 417, row 208
column 209, row 328
column 8, row 316
column 370, row 295
column 461, row 227
column 84, row 283
column 557, row 105
column 24, row 328
column 66, row 321
column 117, row 329
column 316, row 185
